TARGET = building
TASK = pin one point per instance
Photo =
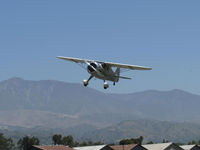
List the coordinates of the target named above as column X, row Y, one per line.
column 124, row 147
column 52, row 147
column 96, row 147
column 190, row 147
column 162, row 146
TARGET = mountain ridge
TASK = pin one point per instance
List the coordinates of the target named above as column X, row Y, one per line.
column 87, row 104
column 50, row 105
column 78, row 84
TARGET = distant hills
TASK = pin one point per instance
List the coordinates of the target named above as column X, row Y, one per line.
column 151, row 130
column 59, row 105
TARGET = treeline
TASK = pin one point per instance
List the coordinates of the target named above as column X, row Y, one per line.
column 69, row 141
column 26, row 142
column 194, row 142
column 131, row 141
column 6, row 143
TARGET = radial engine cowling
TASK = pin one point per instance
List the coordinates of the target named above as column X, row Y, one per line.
column 91, row 67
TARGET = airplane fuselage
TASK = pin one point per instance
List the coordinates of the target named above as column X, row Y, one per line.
column 101, row 71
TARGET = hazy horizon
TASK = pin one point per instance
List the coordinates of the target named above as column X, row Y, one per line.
column 103, row 91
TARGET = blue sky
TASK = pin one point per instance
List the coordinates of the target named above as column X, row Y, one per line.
column 164, row 35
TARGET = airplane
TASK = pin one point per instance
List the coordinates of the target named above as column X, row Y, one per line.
column 104, row 70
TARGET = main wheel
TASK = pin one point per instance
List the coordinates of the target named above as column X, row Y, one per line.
column 105, row 85
column 85, row 82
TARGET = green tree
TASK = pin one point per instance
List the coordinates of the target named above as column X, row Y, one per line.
column 57, row 139
column 124, row 142
column 165, row 141
column 150, row 142
column 27, row 142
column 83, row 143
column 68, row 140
column 6, row 143
column 98, row 143
column 76, row 144
column 193, row 142
column 131, row 141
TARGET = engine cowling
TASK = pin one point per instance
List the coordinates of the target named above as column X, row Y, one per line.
column 91, row 67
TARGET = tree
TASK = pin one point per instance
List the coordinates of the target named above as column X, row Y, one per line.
column 193, row 142
column 150, row 142
column 68, row 140
column 6, row 143
column 76, row 144
column 83, row 143
column 57, row 139
column 131, row 141
column 27, row 142
column 98, row 143
column 165, row 141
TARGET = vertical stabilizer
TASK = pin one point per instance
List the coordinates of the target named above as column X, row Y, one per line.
column 117, row 74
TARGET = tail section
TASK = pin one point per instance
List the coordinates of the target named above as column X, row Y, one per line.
column 117, row 75
column 124, row 77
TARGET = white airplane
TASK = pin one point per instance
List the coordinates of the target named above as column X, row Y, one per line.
column 103, row 70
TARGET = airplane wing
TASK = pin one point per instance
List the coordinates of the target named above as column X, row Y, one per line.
column 126, row 66
column 110, row 64
column 76, row 60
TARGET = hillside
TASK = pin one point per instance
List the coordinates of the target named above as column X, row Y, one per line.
column 47, row 107
column 151, row 130
column 61, row 105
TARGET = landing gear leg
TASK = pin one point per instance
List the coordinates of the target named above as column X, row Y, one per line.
column 114, row 83
column 85, row 82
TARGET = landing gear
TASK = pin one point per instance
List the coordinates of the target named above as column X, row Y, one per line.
column 85, row 82
column 105, row 85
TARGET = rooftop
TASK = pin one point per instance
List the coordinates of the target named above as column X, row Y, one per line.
column 160, row 146
column 53, row 147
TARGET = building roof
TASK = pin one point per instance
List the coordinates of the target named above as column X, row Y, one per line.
column 160, row 146
column 53, row 147
column 187, row 147
column 124, row 147
column 96, row 147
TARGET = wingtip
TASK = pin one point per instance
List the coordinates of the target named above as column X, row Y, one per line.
column 148, row 68
column 59, row 57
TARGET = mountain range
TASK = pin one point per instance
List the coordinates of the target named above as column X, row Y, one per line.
column 68, row 106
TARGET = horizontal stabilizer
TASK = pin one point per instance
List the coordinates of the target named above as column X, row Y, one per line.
column 124, row 77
